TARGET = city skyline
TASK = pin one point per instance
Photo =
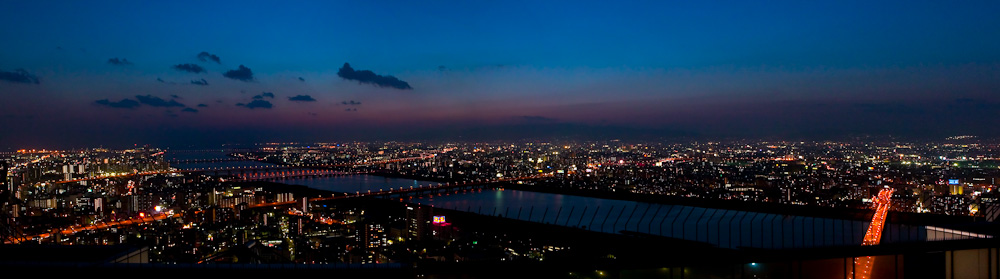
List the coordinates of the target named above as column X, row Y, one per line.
column 455, row 139
column 122, row 73
column 604, row 208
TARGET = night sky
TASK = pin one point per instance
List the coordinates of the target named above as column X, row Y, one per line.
column 87, row 73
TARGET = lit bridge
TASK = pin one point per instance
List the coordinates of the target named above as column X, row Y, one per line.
column 213, row 160
column 293, row 173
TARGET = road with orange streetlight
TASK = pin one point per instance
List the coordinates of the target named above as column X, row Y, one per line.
column 100, row 226
column 863, row 266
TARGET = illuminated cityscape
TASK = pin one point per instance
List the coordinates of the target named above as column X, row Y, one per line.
column 405, row 204
column 497, row 140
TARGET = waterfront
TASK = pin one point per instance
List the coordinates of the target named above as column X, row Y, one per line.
column 355, row 183
column 182, row 155
column 720, row 227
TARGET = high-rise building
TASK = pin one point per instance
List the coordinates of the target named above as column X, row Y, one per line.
column 140, row 203
column 99, row 206
column 418, row 221
column 284, row 197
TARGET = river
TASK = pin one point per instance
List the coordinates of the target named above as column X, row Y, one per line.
column 720, row 227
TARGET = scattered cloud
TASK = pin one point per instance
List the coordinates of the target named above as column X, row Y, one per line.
column 257, row 104
column 202, row 105
column 154, row 101
column 264, row 95
column 19, row 76
column 176, row 97
column 301, row 79
column 302, row 98
column 350, row 109
column 189, row 110
column 205, row 57
column 369, row 77
column 124, row 103
column 312, row 113
column 120, row 62
column 201, row 82
column 350, row 103
column 190, row 68
column 242, row 74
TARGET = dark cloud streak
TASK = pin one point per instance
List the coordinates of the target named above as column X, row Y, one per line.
column 302, row 98
column 242, row 74
column 119, row 62
column 190, row 68
column 257, row 104
column 369, row 77
column 205, row 57
column 19, row 76
column 264, row 95
column 154, row 101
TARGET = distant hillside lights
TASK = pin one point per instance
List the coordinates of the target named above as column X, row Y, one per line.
column 960, row 137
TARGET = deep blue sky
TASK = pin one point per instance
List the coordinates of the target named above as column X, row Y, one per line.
column 656, row 68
